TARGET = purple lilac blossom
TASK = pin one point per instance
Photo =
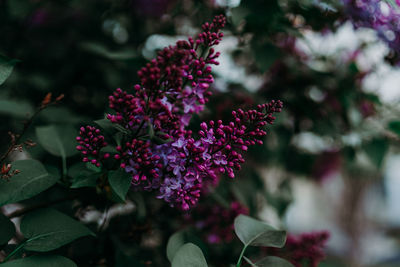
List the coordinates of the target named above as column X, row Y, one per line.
column 156, row 149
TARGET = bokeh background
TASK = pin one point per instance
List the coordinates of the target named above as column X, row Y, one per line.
column 330, row 163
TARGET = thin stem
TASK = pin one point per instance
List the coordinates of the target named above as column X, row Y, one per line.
column 27, row 124
column 239, row 262
column 64, row 166
column 9, row 256
column 139, row 128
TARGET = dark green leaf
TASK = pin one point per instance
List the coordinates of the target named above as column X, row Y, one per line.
column 7, row 229
column 32, row 179
column 92, row 167
column 60, row 115
column 85, row 181
column 41, row 261
column 53, row 171
column 17, row 109
column 151, row 131
column 6, row 68
column 49, row 229
column 256, row 233
column 120, row 129
column 82, row 176
column 159, row 141
column 58, row 140
column 189, row 255
column 376, row 150
column 394, row 126
column 120, row 182
column 106, row 125
column 79, row 170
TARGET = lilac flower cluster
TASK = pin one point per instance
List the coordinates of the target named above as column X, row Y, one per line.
column 193, row 164
column 384, row 17
column 90, row 143
column 157, row 150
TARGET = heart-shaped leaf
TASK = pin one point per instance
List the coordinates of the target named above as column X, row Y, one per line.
column 58, row 140
column 41, row 261
column 7, row 229
column 48, row 229
column 32, row 179
column 256, row 233
column 189, row 255
column 120, row 182
column 6, row 68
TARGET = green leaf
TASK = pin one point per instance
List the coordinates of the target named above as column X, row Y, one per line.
column 120, row 128
column 6, row 68
column 270, row 261
column 58, row 140
column 82, row 176
column 106, row 125
column 59, row 115
column 53, row 171
column 32, row 179
column 92, row 167
column 175, row 242
column 151, row 131
column 376, row 150
column 49, row 229
column 256, row 233
column 189, row 255
column 7, row 229
column 120, row 182
column 85, row 181
column 17, row 109
column 394, row 126
column 41, row 261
